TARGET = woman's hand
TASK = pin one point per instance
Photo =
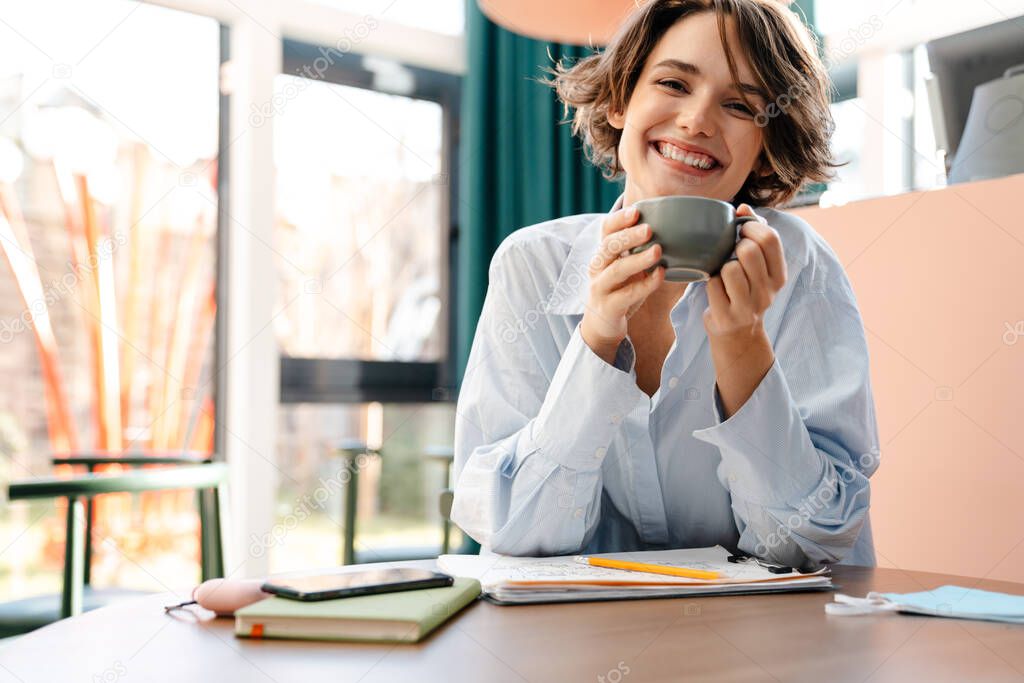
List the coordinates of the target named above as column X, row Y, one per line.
column 740, row 294
column 619, row 281
column 734, row 320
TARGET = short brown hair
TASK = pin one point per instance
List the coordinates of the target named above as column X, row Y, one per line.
column 781, row 50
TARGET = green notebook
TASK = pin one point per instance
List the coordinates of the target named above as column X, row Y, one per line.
column 402, row 617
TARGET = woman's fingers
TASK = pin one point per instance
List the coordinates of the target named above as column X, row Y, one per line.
column 768, row 239
column 751, row 257
column 619, row 281
column 750, row 254
column 617, row 220
column 735, row 280
column 629, row 296
column 717, row 298
column 618, row 273
column 613, row 245
column 614, row 230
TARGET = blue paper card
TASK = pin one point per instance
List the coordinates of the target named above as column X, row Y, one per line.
column 962, row 603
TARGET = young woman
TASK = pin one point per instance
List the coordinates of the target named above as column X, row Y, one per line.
column 607, row 409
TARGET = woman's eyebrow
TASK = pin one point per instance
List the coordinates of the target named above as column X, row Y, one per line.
column 686, row 67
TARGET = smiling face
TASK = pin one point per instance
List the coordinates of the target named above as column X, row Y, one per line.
column 686, row 130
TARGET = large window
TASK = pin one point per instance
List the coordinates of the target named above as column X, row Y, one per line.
column 363, row 235
column 892, row 132
column 360, row 194
column 108, row 221
column 442, row 16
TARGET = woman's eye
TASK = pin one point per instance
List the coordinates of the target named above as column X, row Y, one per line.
column 679, row 86
column 675, row 85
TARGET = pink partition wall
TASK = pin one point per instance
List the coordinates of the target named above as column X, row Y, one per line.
column 939, row 277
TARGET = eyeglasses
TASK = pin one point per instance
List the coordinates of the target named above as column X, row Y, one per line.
column 773, row 568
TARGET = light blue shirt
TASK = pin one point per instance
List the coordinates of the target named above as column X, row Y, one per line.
column 558, row 452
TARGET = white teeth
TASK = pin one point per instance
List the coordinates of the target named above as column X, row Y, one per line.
column 672, row 152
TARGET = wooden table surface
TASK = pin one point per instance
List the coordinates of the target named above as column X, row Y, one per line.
column 739, row 638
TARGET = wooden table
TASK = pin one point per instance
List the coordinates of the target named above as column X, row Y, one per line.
column 740, row 638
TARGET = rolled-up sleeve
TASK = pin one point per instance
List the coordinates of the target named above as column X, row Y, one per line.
column 797, row 455
column 529, row 447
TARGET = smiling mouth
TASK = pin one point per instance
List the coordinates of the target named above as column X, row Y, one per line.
column 694, row 161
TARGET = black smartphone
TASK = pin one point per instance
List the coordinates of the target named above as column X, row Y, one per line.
column 357, row 582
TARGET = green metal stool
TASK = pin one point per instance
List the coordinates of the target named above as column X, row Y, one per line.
column 207, row 478
column 444, row 455
column 348, row 451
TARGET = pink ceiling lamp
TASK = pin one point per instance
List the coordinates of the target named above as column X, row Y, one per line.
column 576, row 22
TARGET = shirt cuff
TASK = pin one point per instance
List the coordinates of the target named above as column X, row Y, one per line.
column 767, row 455
column 585, row 405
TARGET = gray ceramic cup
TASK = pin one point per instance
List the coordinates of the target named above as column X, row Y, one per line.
column 697, row 234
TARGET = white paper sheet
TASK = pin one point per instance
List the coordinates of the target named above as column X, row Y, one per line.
column 504, row 576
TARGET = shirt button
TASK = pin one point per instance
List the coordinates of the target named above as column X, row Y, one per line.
column 616, row 418
column 599, row 453
column 673, row 382
column 578, row 513
column 732, row 477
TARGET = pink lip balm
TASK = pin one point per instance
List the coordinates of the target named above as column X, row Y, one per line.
column 224, row 596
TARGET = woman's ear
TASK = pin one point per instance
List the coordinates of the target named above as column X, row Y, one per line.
column 616, row 119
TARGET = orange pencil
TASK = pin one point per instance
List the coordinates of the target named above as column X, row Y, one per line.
column 649, row 568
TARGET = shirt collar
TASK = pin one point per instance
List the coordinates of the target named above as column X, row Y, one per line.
column 573, row 288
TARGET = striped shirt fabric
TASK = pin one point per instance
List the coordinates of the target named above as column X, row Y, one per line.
column 559, row 452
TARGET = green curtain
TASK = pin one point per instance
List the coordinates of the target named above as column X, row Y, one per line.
column 518, row 165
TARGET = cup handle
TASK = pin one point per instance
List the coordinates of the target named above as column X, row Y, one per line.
column 643, row 247
column 739, row 221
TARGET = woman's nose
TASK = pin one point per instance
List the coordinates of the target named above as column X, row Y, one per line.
column 696, row 118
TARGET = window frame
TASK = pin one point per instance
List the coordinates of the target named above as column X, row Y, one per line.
column 221, row 352
column 349, row 380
